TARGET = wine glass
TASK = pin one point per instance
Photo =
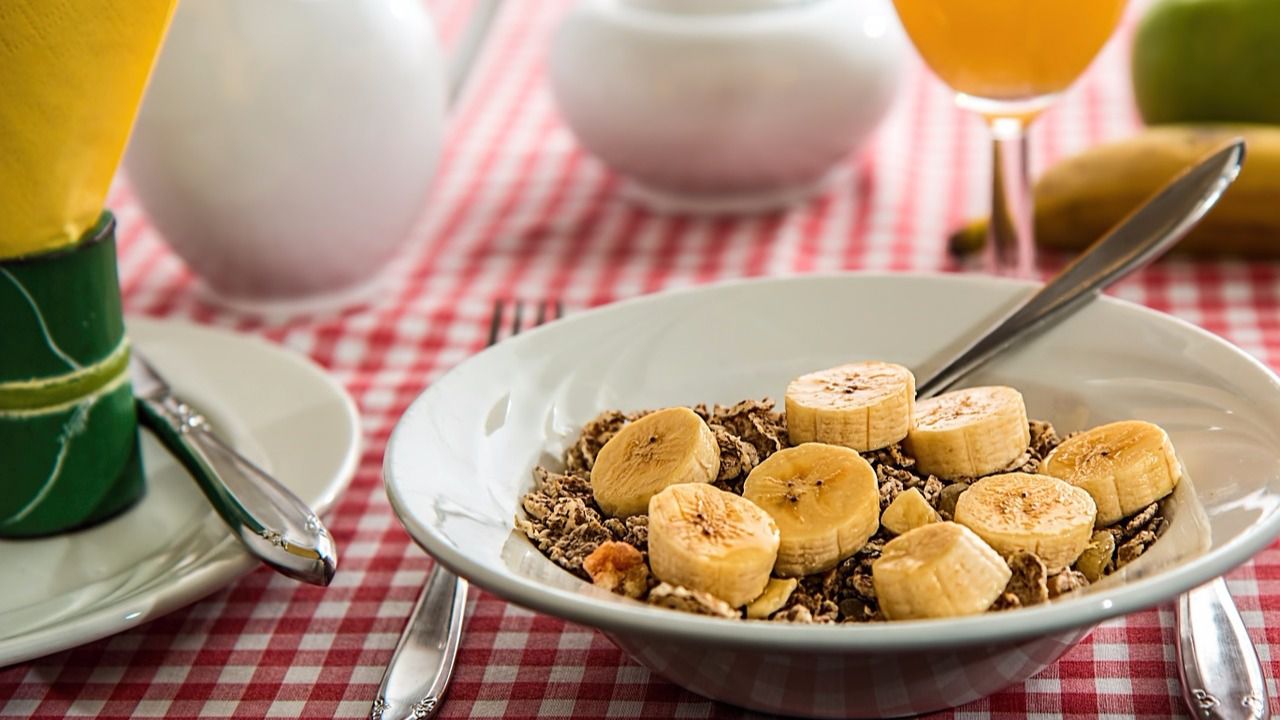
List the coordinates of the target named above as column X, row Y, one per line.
column 1008, row 60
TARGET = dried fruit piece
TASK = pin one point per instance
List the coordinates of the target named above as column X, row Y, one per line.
column 618, row 567
column 950, row 495
column 1098, row 558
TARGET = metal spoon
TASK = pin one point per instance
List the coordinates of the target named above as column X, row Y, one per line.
column 1221, row 676
column 268, row 519
column 1146, row 234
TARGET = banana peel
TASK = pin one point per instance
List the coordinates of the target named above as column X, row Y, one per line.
column 1080, row 198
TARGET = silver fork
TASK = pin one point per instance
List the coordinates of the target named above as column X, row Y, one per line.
column 418, row 675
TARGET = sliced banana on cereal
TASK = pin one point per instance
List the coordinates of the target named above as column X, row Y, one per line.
column 969, row 433
column 825, row 501
column 907, row 512
column 865, row 405
column 666, row 447
column 938, row 570
column 775, row 596
column 709, row 540
column 1124, row 465
column 1022, row 512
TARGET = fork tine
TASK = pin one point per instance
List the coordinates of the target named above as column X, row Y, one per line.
column 496, row 322
column 517, row 318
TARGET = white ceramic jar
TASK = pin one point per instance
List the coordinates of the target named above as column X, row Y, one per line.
column 285, row 147
column 725, row 104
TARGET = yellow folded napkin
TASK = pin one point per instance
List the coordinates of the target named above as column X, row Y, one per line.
column 72, row 74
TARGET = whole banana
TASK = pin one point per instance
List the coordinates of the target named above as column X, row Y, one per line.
column 1081, row 197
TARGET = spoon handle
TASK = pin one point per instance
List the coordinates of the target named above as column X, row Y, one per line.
column 269, row 520
column 419, row 672
column 1221, row 676
column 1140, row 238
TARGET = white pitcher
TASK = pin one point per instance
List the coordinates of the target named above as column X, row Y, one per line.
column 285, row 147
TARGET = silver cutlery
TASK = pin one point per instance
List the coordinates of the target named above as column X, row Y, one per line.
column 418, row 675
column 268, row 519
column 1221, row 676
column 1146, row 234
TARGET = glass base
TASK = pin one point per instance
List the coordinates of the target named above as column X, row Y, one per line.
column 1024, row 109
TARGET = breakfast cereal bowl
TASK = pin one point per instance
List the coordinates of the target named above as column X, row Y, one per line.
column 461, row 458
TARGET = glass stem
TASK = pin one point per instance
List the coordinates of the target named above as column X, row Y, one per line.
column 1011, row 249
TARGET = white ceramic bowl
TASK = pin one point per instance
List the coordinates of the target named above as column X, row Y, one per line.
column 461, row 456
column 725, row 105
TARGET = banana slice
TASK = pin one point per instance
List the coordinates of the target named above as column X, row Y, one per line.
column 703, row 538
column 775, row 595
column 907, row 512
column 1124, row 465
column 938, row 570
column 1021, row 512
column 864, row 406
column 825, row 500
column 969, row 433
column 663, row 448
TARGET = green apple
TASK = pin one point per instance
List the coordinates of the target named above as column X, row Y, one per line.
column 1208, row 61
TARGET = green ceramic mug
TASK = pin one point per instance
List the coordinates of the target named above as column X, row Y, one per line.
column 69, row 453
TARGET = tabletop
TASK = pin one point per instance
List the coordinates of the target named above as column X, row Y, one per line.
column 519, row 210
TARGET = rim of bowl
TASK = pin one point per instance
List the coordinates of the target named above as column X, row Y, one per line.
column 623, row 616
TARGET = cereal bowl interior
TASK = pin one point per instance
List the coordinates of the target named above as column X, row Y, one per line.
column 461, row 458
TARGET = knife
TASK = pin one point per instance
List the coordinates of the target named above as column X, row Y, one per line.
column 269, row 520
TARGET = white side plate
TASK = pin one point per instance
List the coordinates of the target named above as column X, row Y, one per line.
column 170, row 550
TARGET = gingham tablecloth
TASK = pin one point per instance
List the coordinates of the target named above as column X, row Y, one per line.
column 520, row 211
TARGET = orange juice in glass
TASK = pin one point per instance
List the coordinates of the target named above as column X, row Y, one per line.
column 1008, row 60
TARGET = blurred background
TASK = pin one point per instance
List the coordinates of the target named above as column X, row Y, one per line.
column 516, row 191
column 518, row 207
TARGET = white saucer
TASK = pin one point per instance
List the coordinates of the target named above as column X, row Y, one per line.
column 170, row 550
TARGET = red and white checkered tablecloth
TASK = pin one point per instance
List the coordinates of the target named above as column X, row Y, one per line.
column 520, row 211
